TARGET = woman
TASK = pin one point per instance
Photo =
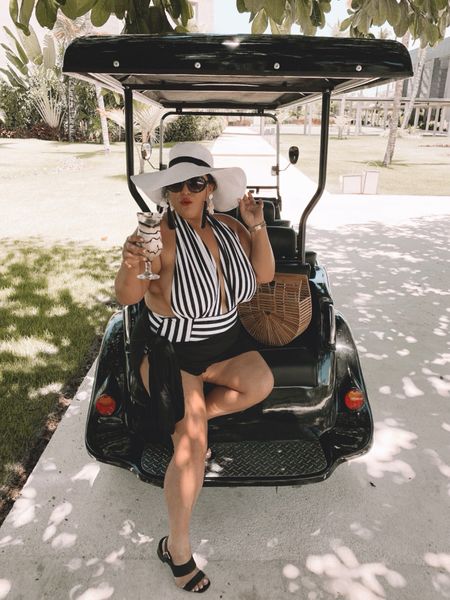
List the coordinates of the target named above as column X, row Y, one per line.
column 208, row 264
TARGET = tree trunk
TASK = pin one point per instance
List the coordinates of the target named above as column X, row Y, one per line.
column 341, row 118
column 103, row 119
column 415, row 86
column 310, row 117
column 145, row 138
column 70, row 109
column 349, row 118
column 358, row 119
column 393, row 125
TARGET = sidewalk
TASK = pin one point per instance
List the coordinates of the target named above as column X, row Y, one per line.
column 377, row 529
column 67, row 202
column 333, row 210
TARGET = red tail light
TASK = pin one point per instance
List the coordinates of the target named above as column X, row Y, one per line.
column 105, row 405
column 354, row 399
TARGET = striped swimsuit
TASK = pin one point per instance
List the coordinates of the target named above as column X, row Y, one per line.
column 196, row 295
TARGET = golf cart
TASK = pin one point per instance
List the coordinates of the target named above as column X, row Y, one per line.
column 318, row 413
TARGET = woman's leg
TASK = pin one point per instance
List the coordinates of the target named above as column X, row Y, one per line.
column 241, row 381
column 184, row 475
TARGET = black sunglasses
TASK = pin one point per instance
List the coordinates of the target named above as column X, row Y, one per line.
column 195, row 185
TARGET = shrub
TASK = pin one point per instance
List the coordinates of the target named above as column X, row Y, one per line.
column 22, row 120
column 84, row 118
column 17, row 106
column 39, row 131
column 191, row 128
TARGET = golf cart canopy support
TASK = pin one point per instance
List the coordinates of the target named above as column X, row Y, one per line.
column 245, row 72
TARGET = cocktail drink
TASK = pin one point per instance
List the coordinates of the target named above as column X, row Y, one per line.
column 149, row 228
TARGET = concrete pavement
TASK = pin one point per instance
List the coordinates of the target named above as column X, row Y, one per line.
column 377, row 529
column 256, row 156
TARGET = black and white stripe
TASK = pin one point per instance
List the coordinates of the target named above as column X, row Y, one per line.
column 196, row 300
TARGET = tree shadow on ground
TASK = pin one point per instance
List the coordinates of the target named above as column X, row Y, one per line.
column 393, row 285
column 55, row 304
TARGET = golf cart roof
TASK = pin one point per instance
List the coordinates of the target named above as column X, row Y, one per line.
column 235, row 71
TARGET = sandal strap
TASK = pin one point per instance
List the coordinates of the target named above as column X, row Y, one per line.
column 163, row 551
column 190, row 585
column 185, row 569
column 177, row 570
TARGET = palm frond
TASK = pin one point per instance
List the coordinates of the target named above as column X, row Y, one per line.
column 65, row 29
column 31, row 45
column 49, row 105
column 20, row 50
column 147, row 117
column 15, row 80
column 49, row 52
column 116, row 115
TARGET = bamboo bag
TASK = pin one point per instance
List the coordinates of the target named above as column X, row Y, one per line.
column 279, row 311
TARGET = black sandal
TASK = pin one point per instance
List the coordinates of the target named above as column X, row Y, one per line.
column 182, row 570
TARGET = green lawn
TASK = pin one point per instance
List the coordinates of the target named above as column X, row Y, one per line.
column 421, row 166
column 54, row 304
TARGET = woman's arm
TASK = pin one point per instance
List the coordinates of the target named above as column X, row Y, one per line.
column 261, row 255
column 129, row 289
column 256, row 244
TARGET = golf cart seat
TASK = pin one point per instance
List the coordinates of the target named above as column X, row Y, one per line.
column 270, row 214
column 294, row 363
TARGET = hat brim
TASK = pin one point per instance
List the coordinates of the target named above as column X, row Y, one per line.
column 231, row 183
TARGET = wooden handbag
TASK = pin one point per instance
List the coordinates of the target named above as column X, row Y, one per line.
column 279, row 311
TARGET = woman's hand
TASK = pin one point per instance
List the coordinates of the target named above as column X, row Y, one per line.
column 133, row 252
column 252, row 211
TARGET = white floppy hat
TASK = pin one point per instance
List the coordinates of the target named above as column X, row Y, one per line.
column 186, row 160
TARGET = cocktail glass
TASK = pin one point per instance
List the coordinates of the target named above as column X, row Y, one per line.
column 149, row 228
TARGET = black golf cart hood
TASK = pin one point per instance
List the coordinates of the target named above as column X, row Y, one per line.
column 235, row 71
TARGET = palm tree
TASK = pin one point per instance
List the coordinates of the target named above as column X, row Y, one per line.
column 415, row 86
column 65, row 31
column 341, row 120
column 384, row 33
column 146, row 120
column 34, row 68
column 393, row 124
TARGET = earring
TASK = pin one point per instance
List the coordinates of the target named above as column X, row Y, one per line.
column 210, row 204
column 170, row 218
column 204, row 214
column 165, row 203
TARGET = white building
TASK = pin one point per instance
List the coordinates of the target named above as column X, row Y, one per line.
column 435, row 80
column 204, row 15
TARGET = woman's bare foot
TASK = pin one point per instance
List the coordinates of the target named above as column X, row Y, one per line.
column 179, row 558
